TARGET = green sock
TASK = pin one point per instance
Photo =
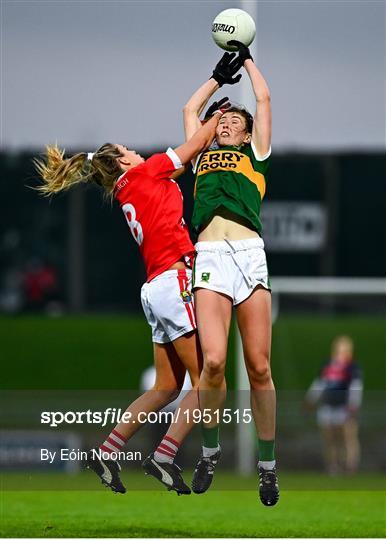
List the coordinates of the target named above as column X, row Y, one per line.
column 210, row 436
column 266, row 450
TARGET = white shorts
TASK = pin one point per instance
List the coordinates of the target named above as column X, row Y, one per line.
column 168, row 305
column 331, row 416
column 233, row 268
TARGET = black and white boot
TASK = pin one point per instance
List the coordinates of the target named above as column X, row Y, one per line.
column 167, row 473
column 107, row 469
column 268, row 486
column 203, row 474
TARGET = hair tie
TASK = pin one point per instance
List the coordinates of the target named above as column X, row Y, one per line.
column 90, row 155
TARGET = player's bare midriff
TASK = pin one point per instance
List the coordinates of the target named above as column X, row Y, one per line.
column 227, row 226
column 179, row 265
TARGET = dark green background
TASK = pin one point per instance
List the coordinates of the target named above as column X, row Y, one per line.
column 110, row 352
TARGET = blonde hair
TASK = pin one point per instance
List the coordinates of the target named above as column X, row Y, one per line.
column 342, row 340
column 59, row 173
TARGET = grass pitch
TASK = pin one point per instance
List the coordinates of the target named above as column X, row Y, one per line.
column 344, row 511
column 75, row 506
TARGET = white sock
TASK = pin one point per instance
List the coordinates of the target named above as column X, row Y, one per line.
column 208, row 452
column 267, row 465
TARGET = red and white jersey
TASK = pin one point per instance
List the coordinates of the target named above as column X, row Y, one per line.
column 153, row 206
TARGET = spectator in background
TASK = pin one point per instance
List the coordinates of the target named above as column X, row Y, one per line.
column 40, row 285
column 337, row 394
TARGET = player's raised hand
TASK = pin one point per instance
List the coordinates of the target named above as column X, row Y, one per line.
column 226, row 69
column 244, row 52
column 221, row 105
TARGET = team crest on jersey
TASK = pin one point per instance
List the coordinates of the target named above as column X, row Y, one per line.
column 205, row 276
column 186, row 297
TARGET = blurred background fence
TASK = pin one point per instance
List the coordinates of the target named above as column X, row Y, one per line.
column 324, row 215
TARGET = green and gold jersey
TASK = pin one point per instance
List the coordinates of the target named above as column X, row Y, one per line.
column 230, row 178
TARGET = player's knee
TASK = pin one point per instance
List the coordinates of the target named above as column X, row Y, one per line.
column 214, row 367
column 169, row 393
column 260, row 373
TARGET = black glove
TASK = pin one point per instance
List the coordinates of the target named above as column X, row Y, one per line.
column 244, row 52
column 225, row 70
column 216, row 106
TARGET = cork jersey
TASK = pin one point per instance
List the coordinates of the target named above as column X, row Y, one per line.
column 233, row 178
column 153, row 206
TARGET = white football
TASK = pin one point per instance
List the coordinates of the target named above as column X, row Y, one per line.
column 233, row 24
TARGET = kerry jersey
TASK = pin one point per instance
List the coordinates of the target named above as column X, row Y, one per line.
column 153, row 206
column 232, row 178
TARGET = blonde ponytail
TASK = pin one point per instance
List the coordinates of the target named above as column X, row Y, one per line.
column 59, row 173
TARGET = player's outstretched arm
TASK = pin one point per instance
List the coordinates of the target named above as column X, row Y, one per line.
column 200, row 140
column 262, row 122
column 195, row 106
column 224, row 73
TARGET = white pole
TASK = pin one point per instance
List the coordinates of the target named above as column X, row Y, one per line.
column 245, row 436
column 245, row 433
column 247, row 97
